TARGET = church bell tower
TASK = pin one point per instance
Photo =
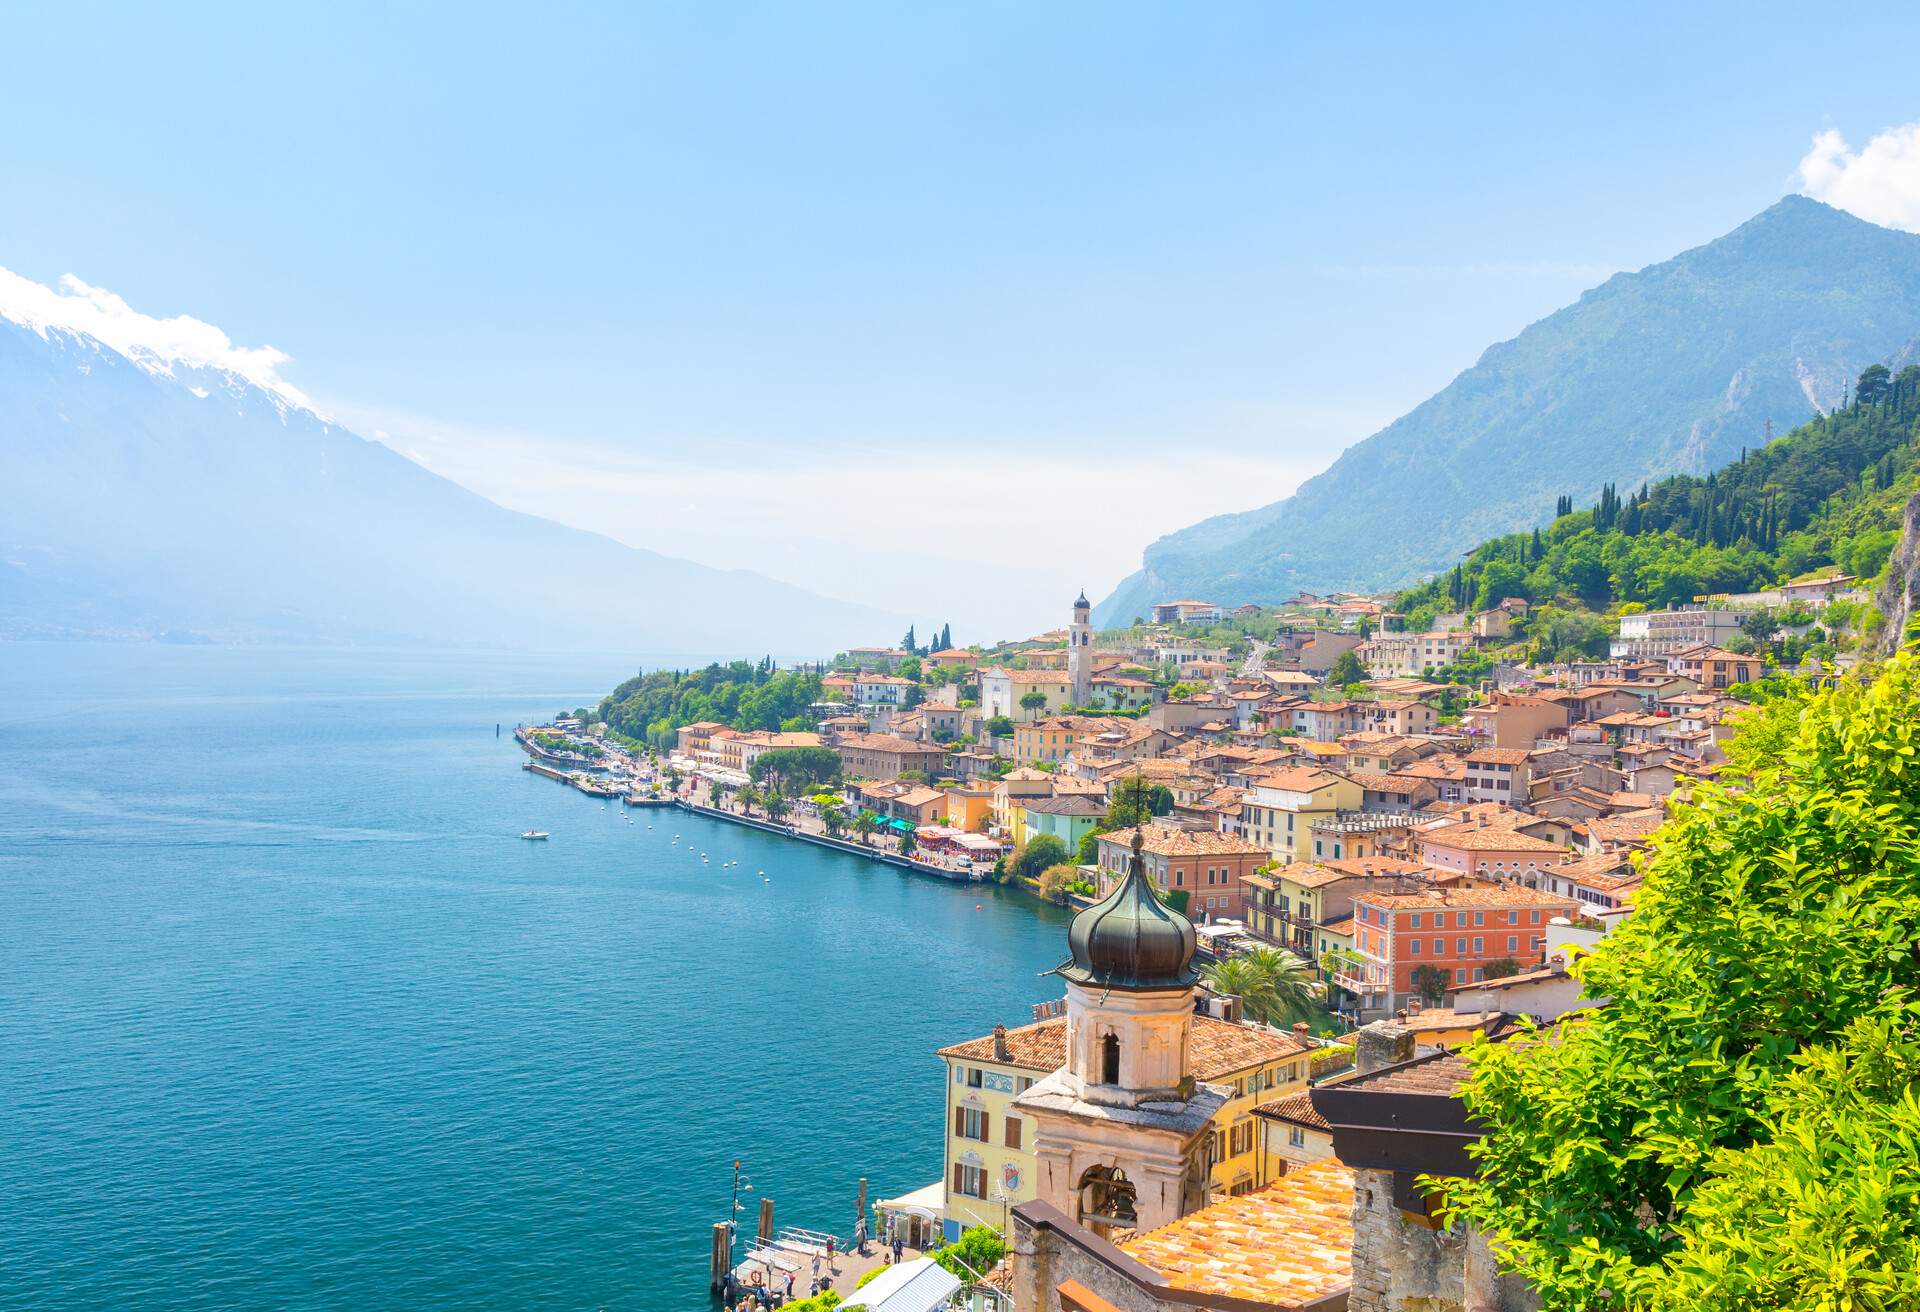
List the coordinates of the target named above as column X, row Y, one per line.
column 1121, row 1130
column 1080, row 651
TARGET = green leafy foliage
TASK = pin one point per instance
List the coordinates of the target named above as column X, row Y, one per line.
column 798, row 768
column 1824, row 1211
column 1346, row 669
column 976, row 1252
column 1044, row 850
column 1430, row 982
column 742, row 695
column 1773, row 954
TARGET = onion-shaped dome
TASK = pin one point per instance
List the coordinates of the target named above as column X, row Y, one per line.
column 1082, row 603
column 1130, row 940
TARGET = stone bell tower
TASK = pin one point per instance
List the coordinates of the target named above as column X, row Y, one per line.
column 1080, row 651
column 1120, row 1131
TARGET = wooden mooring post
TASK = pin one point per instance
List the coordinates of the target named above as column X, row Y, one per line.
column 720, row 1259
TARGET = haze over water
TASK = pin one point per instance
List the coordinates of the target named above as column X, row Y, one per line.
column 290, row 1017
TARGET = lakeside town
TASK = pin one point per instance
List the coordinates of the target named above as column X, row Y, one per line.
column 1313, row 856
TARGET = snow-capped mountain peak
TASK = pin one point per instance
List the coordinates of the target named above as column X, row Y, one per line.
column 173, row 348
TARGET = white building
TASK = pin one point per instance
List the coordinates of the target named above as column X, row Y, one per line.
column 1659, row 632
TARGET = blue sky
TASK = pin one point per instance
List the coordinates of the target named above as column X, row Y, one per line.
column 878, row 297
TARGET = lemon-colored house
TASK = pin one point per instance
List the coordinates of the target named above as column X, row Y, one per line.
column 990, row 1165
column 1284, row 804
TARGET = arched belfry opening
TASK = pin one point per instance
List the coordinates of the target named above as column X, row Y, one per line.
column 1107, row 1198
column 1110, row 1059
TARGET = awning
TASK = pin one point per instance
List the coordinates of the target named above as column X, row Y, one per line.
column 904, row 826
column 930, row 1201
column 917, row 1286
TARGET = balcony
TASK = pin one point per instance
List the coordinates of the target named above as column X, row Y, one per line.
column 1343, row 978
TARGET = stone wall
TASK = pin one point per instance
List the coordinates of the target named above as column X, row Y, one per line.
column 1408, row 1263
column 1042, row 1262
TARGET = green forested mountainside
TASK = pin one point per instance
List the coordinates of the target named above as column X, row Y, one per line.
column 1828, row 494
column 1672, row 369
column 741, row 695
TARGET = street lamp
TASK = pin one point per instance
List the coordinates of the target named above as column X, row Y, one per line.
column 740, row 1185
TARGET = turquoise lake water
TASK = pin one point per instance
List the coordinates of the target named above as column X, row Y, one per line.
column 289, row 1017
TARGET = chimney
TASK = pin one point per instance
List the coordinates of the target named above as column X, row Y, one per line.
column 1000, row 1043
column 1383, row 1043
column 1302, row 1030
column 1414, row 1005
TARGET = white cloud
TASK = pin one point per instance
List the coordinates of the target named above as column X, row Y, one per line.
column 1880, row 182
column 154, row 344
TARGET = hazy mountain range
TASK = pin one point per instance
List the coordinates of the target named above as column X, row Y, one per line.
column 146, row 498
column 1669, row 370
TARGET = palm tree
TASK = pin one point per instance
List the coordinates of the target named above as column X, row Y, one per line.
column 713, row 795
column 1296, row 993
column 1272, row 985
column 776, row 805
column 834, row 818
column 865, row 823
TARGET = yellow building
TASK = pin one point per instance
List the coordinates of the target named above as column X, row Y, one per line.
column 1283, row 806
column 989, row 1157
column 970, row 807
column 1294, row 1130
column 1053, row 739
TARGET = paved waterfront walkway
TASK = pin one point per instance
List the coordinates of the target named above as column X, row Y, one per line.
column 846, row 1270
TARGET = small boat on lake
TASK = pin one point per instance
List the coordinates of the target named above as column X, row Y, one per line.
column 536, row 833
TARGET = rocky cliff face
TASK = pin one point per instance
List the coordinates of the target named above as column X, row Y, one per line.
column 1901, row 591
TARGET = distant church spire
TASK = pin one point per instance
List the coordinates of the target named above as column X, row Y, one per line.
column 1080, row 651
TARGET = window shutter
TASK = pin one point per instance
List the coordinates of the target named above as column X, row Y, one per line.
column 960, row 1121
column 1013, row 1132
column 958, row 1187
column 986, row 1134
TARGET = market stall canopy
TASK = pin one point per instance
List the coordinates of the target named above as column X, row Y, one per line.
column 917, row 1286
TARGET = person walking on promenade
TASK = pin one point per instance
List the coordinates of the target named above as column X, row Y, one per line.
column 897, row 1246
column 830, row 1265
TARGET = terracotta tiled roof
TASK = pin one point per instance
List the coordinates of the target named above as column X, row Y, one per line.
column 1295, row 1108
column 1318, row 874
column 1442, row 1075
column 881, row 742
column 1296, row 779
column 1429, row 1020
column 1467, row 897
column 1217, row 1049
column 1286, row 1245
column 1160, row 840
column 1493, row 838
column 1388, row 783
column 1498, row 756
column 1628, row 826
column 1069, row 804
